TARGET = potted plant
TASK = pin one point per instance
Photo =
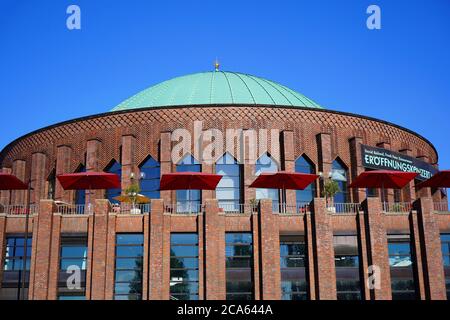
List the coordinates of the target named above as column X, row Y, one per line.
column 330, row 189
column 132, row 193
column 253, row 205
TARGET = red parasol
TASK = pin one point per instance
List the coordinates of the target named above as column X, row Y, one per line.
column 11, row 182
column 439, row 180
column 89, row 181
column 284, row 180
column 189, row 181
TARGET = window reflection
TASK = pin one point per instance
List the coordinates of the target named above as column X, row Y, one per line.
column 293, row 263
column 228, row 191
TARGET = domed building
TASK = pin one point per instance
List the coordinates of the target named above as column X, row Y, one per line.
column 235, row 242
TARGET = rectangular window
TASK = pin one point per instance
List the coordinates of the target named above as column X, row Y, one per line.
column 293, row 265
column 72, row 267
column 239, row 266
column 13, row 267
column 128, row 269
column 348, row 269
column 402, row 267
column 183, row 266
column 445, row 239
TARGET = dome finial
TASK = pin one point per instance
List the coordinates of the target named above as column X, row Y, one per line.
column 216, row 65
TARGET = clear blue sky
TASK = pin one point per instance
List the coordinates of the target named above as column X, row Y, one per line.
column 322, row 49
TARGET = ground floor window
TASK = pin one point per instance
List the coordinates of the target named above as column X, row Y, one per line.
column 402, row 267
column 239, row 266
column 293, row 266
column 128, row 268
column 445, row 240
column 13, row 276
column 348, row 268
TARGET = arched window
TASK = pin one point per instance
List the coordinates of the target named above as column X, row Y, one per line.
column 150, row 177
column 80, row 195
column 116, row 168
column 265, row 164
column 228, row 191
column 189, row 200
column 51, row 182
column 340, row 175
column 304, row 165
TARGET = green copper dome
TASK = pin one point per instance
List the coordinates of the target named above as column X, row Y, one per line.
column 216, row 87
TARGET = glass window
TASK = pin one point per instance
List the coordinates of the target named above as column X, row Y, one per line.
column 239, row 266
column 51, row 181
column 228, row 191
column 445, row 243
column 183, row 266
column 265, row 164
column 293, row 265
column 304, row 165
column 128, row 267
column 189, row 200
column 348, row 269
column 150, row 178
column 72, row 260
column 13, row 267
column 80, row 195
column 402, row 267
column 339, row 174
column 110, row 194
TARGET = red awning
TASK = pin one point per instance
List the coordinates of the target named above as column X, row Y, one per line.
column 189, row 181
column 89, row 181
column 388, row 179
column 284, row 180
column 11, row 182
column 439, row 180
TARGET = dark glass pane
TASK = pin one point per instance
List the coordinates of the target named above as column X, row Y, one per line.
column 239, row 286
column 238, row 262
column 294, row 296
column 184, row 251
column 348, row 285
column 239, row 296
column 127, row 263
column 127, row 276
column 346, row 261
column 184, row 287
column 231, row 238
column 189, row 263
column 66, row 263
column 294, row 286
column 73, row 251
column 130, row 239
column 183, row 275
column 349, row 296
column 399, row 295
column 399, row 248
column 238, row 250
column 183, row 238
column 292, row 262
column 129, row 251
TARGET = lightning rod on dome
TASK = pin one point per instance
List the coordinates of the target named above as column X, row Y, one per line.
column 216, row 65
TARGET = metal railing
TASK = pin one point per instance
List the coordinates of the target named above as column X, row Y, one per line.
column 18, row 209
column 396, row 207
column 298, row 208
column 344, row 208
column 128, row 208
column 441, row 206
column 238, row 208
column 183, row 208
column 71, row 209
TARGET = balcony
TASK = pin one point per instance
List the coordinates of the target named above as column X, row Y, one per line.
column 344, row 208
column 18, row 210
column 396, row 207
column 441, row 207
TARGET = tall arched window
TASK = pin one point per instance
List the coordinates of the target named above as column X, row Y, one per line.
column 265, row 164
column 116, row 168
column 228, row 191
column 340, row 175
column 189, row 200
column 150, row 177
column 80, row 195
column 304, row 165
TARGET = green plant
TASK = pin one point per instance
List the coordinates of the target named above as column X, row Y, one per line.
column 132, row 192
column 330, row 188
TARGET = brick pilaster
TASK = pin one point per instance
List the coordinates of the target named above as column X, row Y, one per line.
column 409, row 191
column 128, row 161
column 92, row 164
column 166, row 163
column 325, row 160
column 359, row 194
column 269, row 252
column 38, row 163
column 2, row 243
column 309, row 235
column 288, row 161
column 249, row 168
column 324, row 252
column 377, row 247
column 63, row 163
column 417, row 250
column 99, row 248
column 362, row 232
column 156, row 260
column 54, row 257
column 431, row 251
column 214, row 231
column 146, row 257
column 110, row 257
column 18, row 169
column 5, row 195
column 41, row 250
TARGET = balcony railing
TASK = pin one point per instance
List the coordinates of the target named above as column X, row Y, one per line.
column 71, row 209
column 286, row 208
column 183, row 208
column 237, row 208
column 128, row 208
column 344, row 208
column 441, row 206
column 18, row 209
column 397, row 207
